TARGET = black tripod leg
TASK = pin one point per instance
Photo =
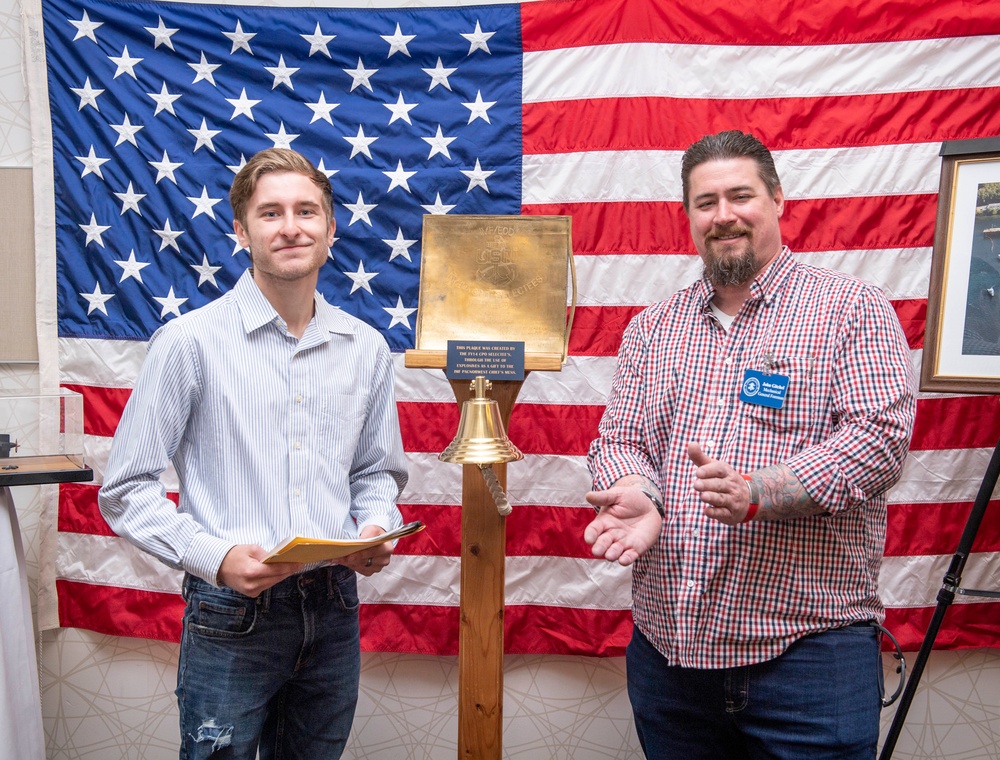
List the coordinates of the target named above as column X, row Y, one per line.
column 952, row 581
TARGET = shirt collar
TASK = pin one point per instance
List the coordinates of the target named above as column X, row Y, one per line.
column 256, row 311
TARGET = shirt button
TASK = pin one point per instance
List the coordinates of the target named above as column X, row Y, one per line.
column 298, row 492
column 694, row 532
column 708, row 446
column 722, row 402
column 298, row 445
column 690, row 584
column 728, row 362
column 298, row 398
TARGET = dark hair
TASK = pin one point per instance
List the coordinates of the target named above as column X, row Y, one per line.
column 729, row 144
column 275, row 160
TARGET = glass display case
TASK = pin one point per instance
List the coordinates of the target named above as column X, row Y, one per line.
column 41, row 438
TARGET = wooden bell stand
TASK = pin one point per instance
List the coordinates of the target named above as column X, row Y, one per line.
column 455, row 249
column 481, row 607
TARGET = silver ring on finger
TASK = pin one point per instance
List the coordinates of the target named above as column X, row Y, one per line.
column 368, row 563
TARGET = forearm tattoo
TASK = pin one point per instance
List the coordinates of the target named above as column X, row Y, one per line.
column 782, row 495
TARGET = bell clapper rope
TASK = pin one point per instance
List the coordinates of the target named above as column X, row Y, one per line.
column 496, row 490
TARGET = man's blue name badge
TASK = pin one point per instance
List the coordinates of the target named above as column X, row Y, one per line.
column 764, row 389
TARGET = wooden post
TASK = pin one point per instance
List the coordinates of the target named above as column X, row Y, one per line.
column 480, row 637
column 487, row 279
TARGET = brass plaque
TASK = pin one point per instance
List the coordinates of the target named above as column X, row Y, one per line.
column 495, row 278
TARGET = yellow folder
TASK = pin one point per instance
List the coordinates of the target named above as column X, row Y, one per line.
column 305, row 550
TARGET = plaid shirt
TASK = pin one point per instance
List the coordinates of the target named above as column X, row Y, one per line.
column 710, row 595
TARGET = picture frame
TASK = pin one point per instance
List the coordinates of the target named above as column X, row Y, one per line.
column 962, row 339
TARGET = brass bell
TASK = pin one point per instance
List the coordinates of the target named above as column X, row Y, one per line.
column 480, row 439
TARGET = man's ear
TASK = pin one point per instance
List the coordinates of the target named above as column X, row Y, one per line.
column 779, row 199
column 241, row 234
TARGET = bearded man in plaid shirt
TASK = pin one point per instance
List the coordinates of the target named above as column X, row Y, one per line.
column 756, row 420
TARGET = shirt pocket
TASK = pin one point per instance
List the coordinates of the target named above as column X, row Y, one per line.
column 799, row 413
column 341, row 422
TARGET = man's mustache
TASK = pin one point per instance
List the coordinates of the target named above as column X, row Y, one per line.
column 717, row 234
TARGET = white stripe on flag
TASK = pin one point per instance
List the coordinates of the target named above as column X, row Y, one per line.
column 648, row 69
column 557, row 581
column 112, row 561
column 915, row 581
column 638, row 279
column 654, row 175
column 930, row 476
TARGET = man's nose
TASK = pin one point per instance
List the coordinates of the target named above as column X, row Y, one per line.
column 289, row 225
column 724, row 212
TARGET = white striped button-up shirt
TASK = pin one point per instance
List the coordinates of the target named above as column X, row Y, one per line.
column 271, row 436
column 709, row 595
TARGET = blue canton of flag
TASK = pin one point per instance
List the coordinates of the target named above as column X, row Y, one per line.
column 155, row 106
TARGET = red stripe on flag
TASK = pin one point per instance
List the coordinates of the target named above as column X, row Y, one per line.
column 528, row 629
column 836, row 224
column 80, row 513
column 538, row 530
column 966, row 626
column 568, row 429
column 930, row 529
column 537, row 428
column 427, row 426
column 625, row 227
column 102, row 408
column 409, row 628
column 531, row 530
column 421, row 629
column 818, row 224
column 434, row 629
column 554, row 428
column 442, row 534
column 912, row 315
column 597, row 330
column 569, row 24
column 120, row 611
column 956, row 422
column 78, row 510
column 823, row 122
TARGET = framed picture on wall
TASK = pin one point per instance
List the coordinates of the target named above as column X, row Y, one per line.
column 962, row 342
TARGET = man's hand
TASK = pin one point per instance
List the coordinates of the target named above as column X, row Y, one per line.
column 243, row 571
column 371, row 560
column 722, row 489
column 627, row 525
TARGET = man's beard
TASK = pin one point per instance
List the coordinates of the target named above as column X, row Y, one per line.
column 731, row 271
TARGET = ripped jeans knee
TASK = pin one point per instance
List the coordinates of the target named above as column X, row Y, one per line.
column 211, row 732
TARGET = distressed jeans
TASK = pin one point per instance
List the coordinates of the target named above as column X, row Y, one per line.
column 278, row 673
column 819, row 699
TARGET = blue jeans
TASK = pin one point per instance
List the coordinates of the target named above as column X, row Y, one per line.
column 819, row 699
column 279, row 672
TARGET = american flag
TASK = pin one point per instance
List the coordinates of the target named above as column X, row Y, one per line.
column 567, row 107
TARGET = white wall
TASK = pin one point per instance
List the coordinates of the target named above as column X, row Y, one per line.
column 106, row 698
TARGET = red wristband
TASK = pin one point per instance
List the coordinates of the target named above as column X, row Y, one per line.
column 754, row 500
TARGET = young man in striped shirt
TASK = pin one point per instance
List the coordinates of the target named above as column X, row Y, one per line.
column 755, row 422
column 277, row 412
